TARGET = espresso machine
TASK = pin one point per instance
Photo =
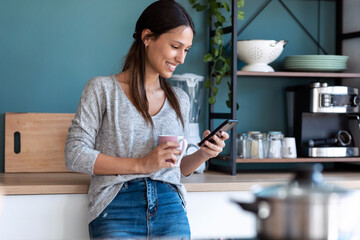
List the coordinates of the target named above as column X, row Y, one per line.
column 324, row 120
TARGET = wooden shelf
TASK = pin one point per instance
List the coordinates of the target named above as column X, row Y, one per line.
column 299, row 74
column 291, row 160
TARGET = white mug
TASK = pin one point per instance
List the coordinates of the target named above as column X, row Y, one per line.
column 288, row 149
column 173, row 138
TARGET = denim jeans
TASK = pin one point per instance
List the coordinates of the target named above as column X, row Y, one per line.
column 143, row 209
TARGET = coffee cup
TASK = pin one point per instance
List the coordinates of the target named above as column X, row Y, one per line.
column 288, row 149
column 173, row 138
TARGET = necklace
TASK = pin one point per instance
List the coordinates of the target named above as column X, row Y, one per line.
column 152, row 91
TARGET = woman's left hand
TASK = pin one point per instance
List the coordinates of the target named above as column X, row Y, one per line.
column 211, row 150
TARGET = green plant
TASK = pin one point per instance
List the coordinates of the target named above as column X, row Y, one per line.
column 220, row 63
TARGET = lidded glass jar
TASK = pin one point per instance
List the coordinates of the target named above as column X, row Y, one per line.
column 255, row 145
column 241, row 141
column 274, row 141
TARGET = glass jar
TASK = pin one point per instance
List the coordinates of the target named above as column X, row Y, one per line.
column 241, row 145
column 248, row 139
column 255, row 145
column 274, row 142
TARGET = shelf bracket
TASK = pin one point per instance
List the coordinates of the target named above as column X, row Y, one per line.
column 303, row 27
column 264, row 5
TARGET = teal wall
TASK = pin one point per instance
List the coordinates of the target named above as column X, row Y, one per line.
column 49, row 49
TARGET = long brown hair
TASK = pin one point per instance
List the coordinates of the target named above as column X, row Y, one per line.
column 160, row 17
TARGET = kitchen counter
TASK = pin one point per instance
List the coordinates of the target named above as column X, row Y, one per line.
column 75, row 183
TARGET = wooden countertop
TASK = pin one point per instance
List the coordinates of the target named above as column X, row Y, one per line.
column 75, row 183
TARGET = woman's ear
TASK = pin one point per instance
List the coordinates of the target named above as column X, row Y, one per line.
column 145, row 36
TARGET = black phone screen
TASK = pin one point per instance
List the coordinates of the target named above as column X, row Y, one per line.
column 223, row 127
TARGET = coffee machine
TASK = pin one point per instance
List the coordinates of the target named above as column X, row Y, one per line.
column 324, row 120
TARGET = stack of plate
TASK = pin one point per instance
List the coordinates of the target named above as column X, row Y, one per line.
column 316, row 63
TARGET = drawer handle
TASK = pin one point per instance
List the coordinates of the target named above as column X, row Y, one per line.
column 17, row 142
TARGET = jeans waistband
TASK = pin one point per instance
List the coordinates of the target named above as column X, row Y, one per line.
column 139, row 180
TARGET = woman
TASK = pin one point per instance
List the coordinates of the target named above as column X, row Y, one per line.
column 135, row 192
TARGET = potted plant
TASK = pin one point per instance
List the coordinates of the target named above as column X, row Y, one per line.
column 218, row 15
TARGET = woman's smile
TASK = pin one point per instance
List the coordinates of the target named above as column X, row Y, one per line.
column 172, row 67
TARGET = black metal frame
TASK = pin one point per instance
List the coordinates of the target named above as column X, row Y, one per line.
column 233, row 30
column 267, row 2
column 232, row 114
column 340, row 36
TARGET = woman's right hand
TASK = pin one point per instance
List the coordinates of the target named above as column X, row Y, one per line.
column 163, row 156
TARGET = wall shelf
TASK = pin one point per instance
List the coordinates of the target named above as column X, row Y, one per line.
column 231, row 160
column 299, row 74
column 289, row 160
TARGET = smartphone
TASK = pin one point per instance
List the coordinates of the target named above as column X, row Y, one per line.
column 224, row 127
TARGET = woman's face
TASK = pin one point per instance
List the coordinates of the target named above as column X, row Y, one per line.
column 166, row 52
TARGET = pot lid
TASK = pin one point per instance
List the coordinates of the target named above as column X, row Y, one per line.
column 307, row 184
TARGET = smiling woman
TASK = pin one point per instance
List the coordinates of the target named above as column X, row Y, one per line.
column 167, row 51
column 114, row 135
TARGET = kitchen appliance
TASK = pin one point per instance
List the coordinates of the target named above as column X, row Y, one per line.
column 259, row 53
column 306, row 208
column 324, row 120
column 193, row 85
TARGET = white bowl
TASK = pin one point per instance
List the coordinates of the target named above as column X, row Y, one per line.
column 259, row 53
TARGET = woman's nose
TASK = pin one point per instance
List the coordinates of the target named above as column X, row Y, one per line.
column 180, row 58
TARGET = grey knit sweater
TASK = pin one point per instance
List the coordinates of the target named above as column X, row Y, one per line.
column 107, row 122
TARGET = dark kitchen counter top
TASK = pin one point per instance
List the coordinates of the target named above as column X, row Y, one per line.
column 75, row 183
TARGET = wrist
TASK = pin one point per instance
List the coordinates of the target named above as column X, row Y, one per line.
column 203, row 155
column 139, row 165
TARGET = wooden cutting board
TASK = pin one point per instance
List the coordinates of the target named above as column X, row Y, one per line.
column 34, row 142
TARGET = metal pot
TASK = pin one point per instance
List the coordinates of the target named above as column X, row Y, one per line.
column 306, row 208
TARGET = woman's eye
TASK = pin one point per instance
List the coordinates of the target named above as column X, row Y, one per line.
column 176, row 47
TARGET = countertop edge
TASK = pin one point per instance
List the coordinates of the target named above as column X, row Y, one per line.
column 75, row 183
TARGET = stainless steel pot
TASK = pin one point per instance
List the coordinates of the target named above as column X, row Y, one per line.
column 306, row 208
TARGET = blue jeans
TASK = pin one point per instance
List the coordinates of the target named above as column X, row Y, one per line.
column 143, row 209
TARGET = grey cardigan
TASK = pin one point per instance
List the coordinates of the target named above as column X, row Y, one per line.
column 107, row 122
